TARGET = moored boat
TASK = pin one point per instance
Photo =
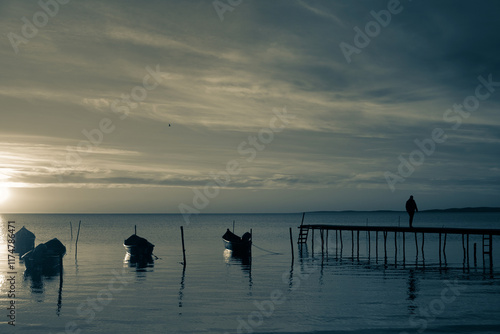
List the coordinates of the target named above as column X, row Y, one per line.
column 238, row 245
column 45, row 258
column 138, row 247
column 25, row 241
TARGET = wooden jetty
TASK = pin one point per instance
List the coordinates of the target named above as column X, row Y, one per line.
column 442, row 232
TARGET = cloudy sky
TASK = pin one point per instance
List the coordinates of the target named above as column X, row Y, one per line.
column 128, row 106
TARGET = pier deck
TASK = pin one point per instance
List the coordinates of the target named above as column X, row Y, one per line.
column 487, row 238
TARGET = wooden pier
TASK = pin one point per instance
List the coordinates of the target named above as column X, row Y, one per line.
column 487, row 239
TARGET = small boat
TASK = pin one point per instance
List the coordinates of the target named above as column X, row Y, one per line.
column 45, row 258
column 138, row 248
column 25, row 241
column 239, row 246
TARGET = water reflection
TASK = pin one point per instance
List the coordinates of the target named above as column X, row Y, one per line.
column 413, row 288
column 141, row 263
column 245, row 261
column 38, row 279
column 181, row 289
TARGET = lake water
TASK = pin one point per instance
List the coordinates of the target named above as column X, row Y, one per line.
column 215, row 293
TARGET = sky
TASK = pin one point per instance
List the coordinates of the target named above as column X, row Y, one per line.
column 248, row 106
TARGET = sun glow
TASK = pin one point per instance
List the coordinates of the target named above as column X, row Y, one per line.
column 4, row 193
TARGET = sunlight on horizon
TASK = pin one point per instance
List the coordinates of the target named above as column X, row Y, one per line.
column 4, row 193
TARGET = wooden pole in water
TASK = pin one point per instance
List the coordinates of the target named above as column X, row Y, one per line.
column 312, row 241
column 183, row 248
column 468, row 263
column 357, row 246
column 396, row 246
column 291, row 243
column 483, row 249
column 444, row 249
column 303, row 215
column 440, row 249
column 327, row 241
column 416, row 243
column 376, row 245
column 475, row 255
column 404, row 248
column 336, row 242
column 463, row 247
column 491, row 252
column 77, row 237
column 352, row 243
column 341, row 242
column 423, row 241
column 369, row 245
column 385, row 245
column 322, row 232
column 71, row 227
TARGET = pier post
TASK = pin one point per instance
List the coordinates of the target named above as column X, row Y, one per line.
column 336, row 242
column 312, row 241
column 423, row 241
column 385, row 245
column 491, row 252
column 483, row 250
column 327, row 242
column 322, row 232
column 416, row 244
column 352, row 243
column 376, row 246
column 468, row 263
column 357, row 246
column 463, row 247
column 291, row 243
column 475, row 254
column 396, row 247
column 440, row 249
column 444, row 250
column 341, row 243
column 369, row 245
column 404, row 248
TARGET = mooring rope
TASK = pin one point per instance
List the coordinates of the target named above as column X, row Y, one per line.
column 265, row 250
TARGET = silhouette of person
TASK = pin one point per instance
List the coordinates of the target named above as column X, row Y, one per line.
column 411, row 207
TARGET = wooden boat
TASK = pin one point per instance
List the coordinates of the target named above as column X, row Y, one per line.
column 138, row 248
column 238, row 245
column 25, row 241
column 45, row 258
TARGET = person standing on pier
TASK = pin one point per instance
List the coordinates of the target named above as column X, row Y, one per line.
column 411, row 207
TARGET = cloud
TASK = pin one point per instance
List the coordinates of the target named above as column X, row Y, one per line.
column 352, row 121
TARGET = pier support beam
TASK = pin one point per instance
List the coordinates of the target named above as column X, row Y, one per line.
column 341, row 243
column 352, row 244
column 404, row 248
column 440, row 249
column 369, row 245
column 357, row 245
column 336, row 242
column 416, row 244
column 385, row 246
column 444, row 249
column 396, row 247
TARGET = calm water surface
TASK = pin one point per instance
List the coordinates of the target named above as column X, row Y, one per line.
column 215, row 293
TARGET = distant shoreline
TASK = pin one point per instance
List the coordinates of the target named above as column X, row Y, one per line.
column 467, row 209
